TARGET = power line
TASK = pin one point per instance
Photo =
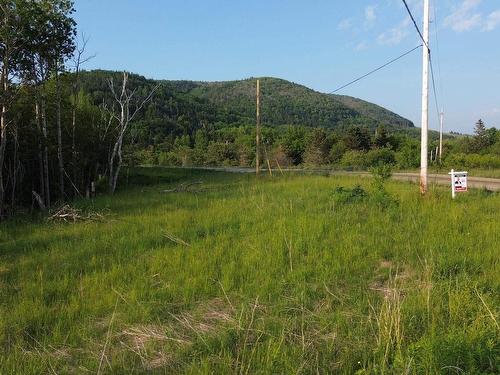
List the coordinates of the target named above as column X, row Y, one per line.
column 430, row 56
column 434, row 89
column 415, row 24
column 438, row 52
column 376, row 70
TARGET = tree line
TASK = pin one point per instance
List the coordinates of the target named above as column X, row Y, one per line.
column 55, row 141
column 355, row 147
column 66, row 132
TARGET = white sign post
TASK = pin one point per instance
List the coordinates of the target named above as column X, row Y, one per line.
column 458, row 182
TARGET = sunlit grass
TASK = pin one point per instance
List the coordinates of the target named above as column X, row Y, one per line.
column 247, row 276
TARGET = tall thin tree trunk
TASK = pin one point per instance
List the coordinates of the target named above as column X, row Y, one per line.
column 59, row 136
column 3, row 127
column 112, row 172
column 16, row 168
column 118, row 166
column 40, row 153
column 73, row 124
column 45, row 155
column 73, row 141
column 3, row 145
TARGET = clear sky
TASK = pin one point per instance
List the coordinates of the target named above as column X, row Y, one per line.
column 321, row 44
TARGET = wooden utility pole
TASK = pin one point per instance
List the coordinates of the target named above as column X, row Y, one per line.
column 425, row 102
column 257, row 137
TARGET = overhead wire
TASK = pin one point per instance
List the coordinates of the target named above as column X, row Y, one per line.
column 430, row 55
column 438, row 51
column 376, row 69
column 434, row 90
column 425, row 43
column 415, row 24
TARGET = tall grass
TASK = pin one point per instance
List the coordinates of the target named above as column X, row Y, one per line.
column 255, row 276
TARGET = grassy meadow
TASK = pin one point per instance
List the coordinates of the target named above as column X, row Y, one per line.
column 282, row 275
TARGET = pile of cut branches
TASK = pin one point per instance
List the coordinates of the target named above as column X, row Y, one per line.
column 69, row 214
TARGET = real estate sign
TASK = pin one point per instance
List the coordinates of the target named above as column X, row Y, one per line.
column 458, row 182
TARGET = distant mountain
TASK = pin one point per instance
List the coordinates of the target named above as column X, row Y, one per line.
column 284, row 102
column 374, row 111
column 183, row 106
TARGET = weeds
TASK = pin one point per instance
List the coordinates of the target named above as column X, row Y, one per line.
column 409, row 289
column 342, row 195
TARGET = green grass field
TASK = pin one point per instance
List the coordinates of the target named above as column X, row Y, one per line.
column 280, row 275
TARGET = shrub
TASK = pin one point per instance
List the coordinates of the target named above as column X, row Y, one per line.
column 409, row 156
column 354, row 159
column 168, row 159
column 344, row 195
column 381, row 173
column 460, row 161
column 380, row 156
column 336, row 152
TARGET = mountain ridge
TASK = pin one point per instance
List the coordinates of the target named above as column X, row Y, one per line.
column 233, row 103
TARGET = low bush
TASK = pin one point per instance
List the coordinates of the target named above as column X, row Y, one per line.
column 345, row 195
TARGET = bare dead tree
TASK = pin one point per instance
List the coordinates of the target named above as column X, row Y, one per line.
column 124, row 99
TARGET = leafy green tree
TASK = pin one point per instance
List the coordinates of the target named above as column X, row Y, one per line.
column 294, row 143
column 49, row 32
column 380, row 156
column 36, row 37
column 10, row 42
column 337, row 151
column 200, row 147
column 409, row 154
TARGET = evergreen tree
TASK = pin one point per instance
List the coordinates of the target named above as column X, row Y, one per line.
column 382, row 138
column 481, row 139
column 318, row 148
column 357, row 138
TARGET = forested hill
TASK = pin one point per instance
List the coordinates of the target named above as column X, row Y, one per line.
column 187, row 104
column 374, row 111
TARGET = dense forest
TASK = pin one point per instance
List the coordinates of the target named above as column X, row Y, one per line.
column 66, row 132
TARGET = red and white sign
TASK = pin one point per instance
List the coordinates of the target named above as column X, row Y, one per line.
column 458, row 182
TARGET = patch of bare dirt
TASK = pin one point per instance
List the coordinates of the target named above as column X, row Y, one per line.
column 155, row 343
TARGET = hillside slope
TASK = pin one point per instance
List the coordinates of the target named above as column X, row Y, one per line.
column 284, row 102
column 187, row 104
column 374, row 111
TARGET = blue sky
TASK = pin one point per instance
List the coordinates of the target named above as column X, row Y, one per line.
column 318, row 43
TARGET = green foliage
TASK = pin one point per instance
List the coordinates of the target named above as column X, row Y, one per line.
column 458, row 161
column 373, row 111
column 380, row 156
column 481, row 138
column 294, row 143
column 354, row 159
column 318, row 148
column 337, row 151
column 409, row 155
column 382, row 138
column 357, row 138
column 381, row 173
column 310, row 289
column 344, row 195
